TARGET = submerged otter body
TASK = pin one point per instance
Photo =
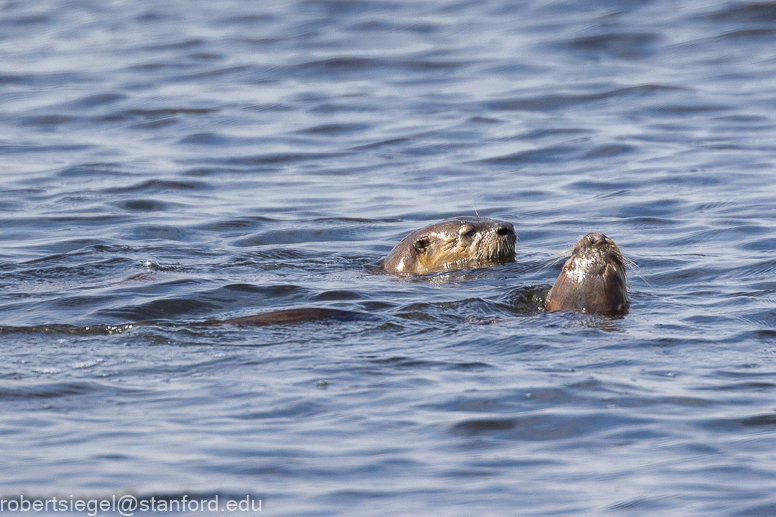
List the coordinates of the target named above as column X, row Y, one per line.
column 592, row 279
column 291, row 316
column 453, row 244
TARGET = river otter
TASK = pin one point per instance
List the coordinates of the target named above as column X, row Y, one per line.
column 592, row 279
column 453, row 244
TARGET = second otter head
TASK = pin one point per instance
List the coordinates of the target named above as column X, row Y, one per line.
column 452, row 244
column 592, row 279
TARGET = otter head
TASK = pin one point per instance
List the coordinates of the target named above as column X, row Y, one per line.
column 592, row 279
column 457, row 243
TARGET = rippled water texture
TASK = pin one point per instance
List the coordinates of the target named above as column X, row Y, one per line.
column 169, row 163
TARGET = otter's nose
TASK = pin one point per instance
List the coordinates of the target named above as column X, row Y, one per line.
column 595, row 238
column 505, row 229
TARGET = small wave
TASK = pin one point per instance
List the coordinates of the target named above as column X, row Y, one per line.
column 539, row 427
column 90, row 330
column 616, row 45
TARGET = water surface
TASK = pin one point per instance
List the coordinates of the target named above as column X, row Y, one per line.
column 169, row 163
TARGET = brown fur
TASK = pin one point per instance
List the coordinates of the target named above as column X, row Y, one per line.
column 453, row 244
column 592, row 279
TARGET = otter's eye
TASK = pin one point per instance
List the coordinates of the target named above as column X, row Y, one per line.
column 467, row 230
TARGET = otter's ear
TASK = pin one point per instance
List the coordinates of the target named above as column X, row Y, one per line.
column 421, row 244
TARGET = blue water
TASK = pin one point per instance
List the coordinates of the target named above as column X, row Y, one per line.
column 168, row 163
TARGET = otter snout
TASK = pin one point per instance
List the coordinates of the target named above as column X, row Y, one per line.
column 505, row 229
column 595, row 238
column 597, row 241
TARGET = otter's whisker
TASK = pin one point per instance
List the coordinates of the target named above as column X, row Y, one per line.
column 559, row 258
column 634, row 269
